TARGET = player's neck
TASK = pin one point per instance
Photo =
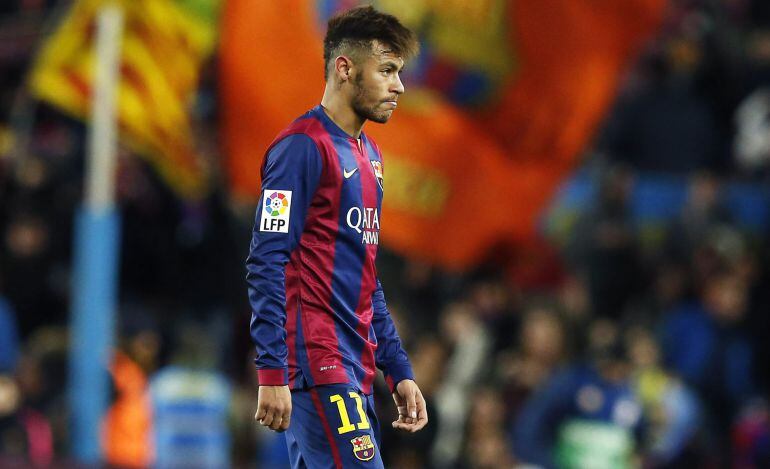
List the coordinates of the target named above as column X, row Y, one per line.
column 342, row 114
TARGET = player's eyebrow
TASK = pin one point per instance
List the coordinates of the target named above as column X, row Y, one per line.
column 391, row 63
column 389, row 58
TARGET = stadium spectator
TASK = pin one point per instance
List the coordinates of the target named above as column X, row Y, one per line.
column 34, row 427
column 587, row 415
column 666, row 123
column 190, row 406
column 126, row 427
column 470, row 346
column 27, row 241
column 751, row 437
column 9, row 336
column 603, row 248
column 704, row 342
column 485, row 445
column 26, row 433
column 671, row 408
column 542, row 350
column 702, row 214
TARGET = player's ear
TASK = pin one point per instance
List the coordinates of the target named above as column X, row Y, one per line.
column 343, row 67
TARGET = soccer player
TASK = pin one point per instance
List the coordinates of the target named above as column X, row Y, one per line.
column 320, row 323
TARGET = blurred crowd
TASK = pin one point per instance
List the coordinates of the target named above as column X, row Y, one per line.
column 605, row 347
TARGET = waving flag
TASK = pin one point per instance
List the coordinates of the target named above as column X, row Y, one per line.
column 164, row 44
column 497, row 108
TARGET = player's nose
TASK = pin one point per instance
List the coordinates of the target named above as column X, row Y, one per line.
column 398, row 85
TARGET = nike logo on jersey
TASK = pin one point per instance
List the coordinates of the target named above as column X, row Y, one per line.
column 347, row 173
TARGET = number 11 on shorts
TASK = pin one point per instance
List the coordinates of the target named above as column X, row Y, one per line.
column 347, row 426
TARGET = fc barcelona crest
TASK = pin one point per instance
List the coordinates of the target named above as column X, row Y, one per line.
column 363, row 448
column 377, row 167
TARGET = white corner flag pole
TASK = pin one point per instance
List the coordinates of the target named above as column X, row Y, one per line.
column 96, row 252
column 102, row 143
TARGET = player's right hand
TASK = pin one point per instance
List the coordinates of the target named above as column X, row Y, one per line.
column 274, row 407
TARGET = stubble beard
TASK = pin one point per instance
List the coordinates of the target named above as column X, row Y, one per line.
column 368, row 112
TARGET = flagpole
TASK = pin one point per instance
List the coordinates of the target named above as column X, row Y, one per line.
column 96, row 252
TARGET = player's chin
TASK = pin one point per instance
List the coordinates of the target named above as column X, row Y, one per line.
column 381, row 117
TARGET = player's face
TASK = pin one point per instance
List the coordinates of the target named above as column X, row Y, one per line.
column 377, row 85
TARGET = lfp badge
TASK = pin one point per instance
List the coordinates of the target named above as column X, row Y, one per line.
column 377, row 167
column 276, row 211
column 363, row 448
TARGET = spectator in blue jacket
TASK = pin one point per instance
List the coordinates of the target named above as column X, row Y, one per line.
column 704, row 343
column 585, row 416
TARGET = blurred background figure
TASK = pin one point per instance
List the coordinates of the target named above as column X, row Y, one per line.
column 9, row 335
column 703, row 213
column 604, row 248
column 575, row 240
column 127, row 425
column 455, row 398
column 541, row 349
column 486, row 446
column 704, row 343
column 672, row 411
column 586, row 415
column 751, row 436
column 190, row 402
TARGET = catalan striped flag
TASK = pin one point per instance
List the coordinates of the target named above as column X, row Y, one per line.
column 164, row 44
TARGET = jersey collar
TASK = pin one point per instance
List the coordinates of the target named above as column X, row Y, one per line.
column 331, row 127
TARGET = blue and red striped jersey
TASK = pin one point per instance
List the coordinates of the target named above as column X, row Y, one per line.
column 318, row 311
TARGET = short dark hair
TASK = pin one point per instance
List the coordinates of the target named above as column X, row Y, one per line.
column 355, row 29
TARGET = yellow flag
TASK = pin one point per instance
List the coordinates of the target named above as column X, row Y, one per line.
column 164, row 44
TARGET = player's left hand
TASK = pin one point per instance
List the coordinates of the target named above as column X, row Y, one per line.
column 412, row 411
